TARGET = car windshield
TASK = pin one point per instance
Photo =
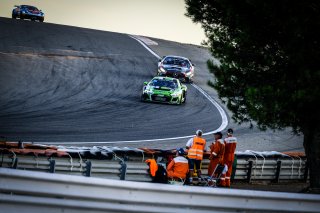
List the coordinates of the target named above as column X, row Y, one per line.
column 164, row 83
column 176, row 61
column 29, row 7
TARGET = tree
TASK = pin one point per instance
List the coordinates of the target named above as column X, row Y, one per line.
column 269, row 72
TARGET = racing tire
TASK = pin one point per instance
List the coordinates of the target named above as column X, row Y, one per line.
column 180, row 102
column 184, row 97
column 14, row 16
column 41, row 20
column 21, row 17
column 190, row 80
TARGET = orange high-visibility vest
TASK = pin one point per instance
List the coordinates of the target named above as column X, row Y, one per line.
column 230, row 148
column 196, row 150
column 153, row 166
column 217, row 150
column 178, row 168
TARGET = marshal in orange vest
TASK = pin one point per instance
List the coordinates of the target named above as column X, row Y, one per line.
column 196, row 150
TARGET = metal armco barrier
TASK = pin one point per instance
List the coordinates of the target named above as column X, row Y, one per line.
column 128, row 163
column 26, row 191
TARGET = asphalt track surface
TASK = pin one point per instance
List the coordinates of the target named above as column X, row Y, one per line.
column 66, row 84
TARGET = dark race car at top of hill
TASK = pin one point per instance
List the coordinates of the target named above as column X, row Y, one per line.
column 27, row 12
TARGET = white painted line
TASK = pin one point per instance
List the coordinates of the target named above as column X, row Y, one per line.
column 114, row 142
column 223, row 114
column 145, row 40
column 145, row 46
column 223, row 125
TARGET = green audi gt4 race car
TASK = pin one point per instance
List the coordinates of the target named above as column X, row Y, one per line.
column 164, row 90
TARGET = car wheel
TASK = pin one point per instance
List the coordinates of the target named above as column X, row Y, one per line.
column 14, row 16
column 21, row 17
column 184, row 97
column 41, row 20
column 180, row 101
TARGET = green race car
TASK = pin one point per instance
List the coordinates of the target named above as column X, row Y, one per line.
column 165, row 90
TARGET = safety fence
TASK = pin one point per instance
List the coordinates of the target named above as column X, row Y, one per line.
column 129, row 163
column 29, row 191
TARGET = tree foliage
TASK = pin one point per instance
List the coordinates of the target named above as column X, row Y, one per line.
column 269, row 53
column 269, row 73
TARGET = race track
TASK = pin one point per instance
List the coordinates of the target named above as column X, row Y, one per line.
column 66, row 84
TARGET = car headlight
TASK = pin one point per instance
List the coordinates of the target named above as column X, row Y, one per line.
column 176, row 94
column 150, row 92
column 188, row 72
column 161, row 69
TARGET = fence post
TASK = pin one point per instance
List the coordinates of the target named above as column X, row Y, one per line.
column 20, row 145
column 276, row 180
column 234, row 168
column 15, row 163
column 88, row 168
column 249, row 171
column 306, row 172
column 52, row 164
column 123, row 171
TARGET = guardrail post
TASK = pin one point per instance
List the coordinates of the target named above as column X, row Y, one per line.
column 277, row 178
column 20, row 145
column 52, row 168
column 15, row 163
column 2, row 151
column 88, row 168
column 249, row 171
column 306, row 172
column 123, row 171
column 234, row 168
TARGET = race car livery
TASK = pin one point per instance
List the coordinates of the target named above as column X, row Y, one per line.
column 176, row 67
column 165, row 90
column 27, row 12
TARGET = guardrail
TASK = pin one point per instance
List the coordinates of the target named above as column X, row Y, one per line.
column 27, row 191
column 133, row 167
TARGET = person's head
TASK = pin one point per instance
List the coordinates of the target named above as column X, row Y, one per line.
column 180, row 152
column 217, row 135
column 230, row 132
column 199, row 133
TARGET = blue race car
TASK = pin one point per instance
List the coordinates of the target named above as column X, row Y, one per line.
column 27, row 12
